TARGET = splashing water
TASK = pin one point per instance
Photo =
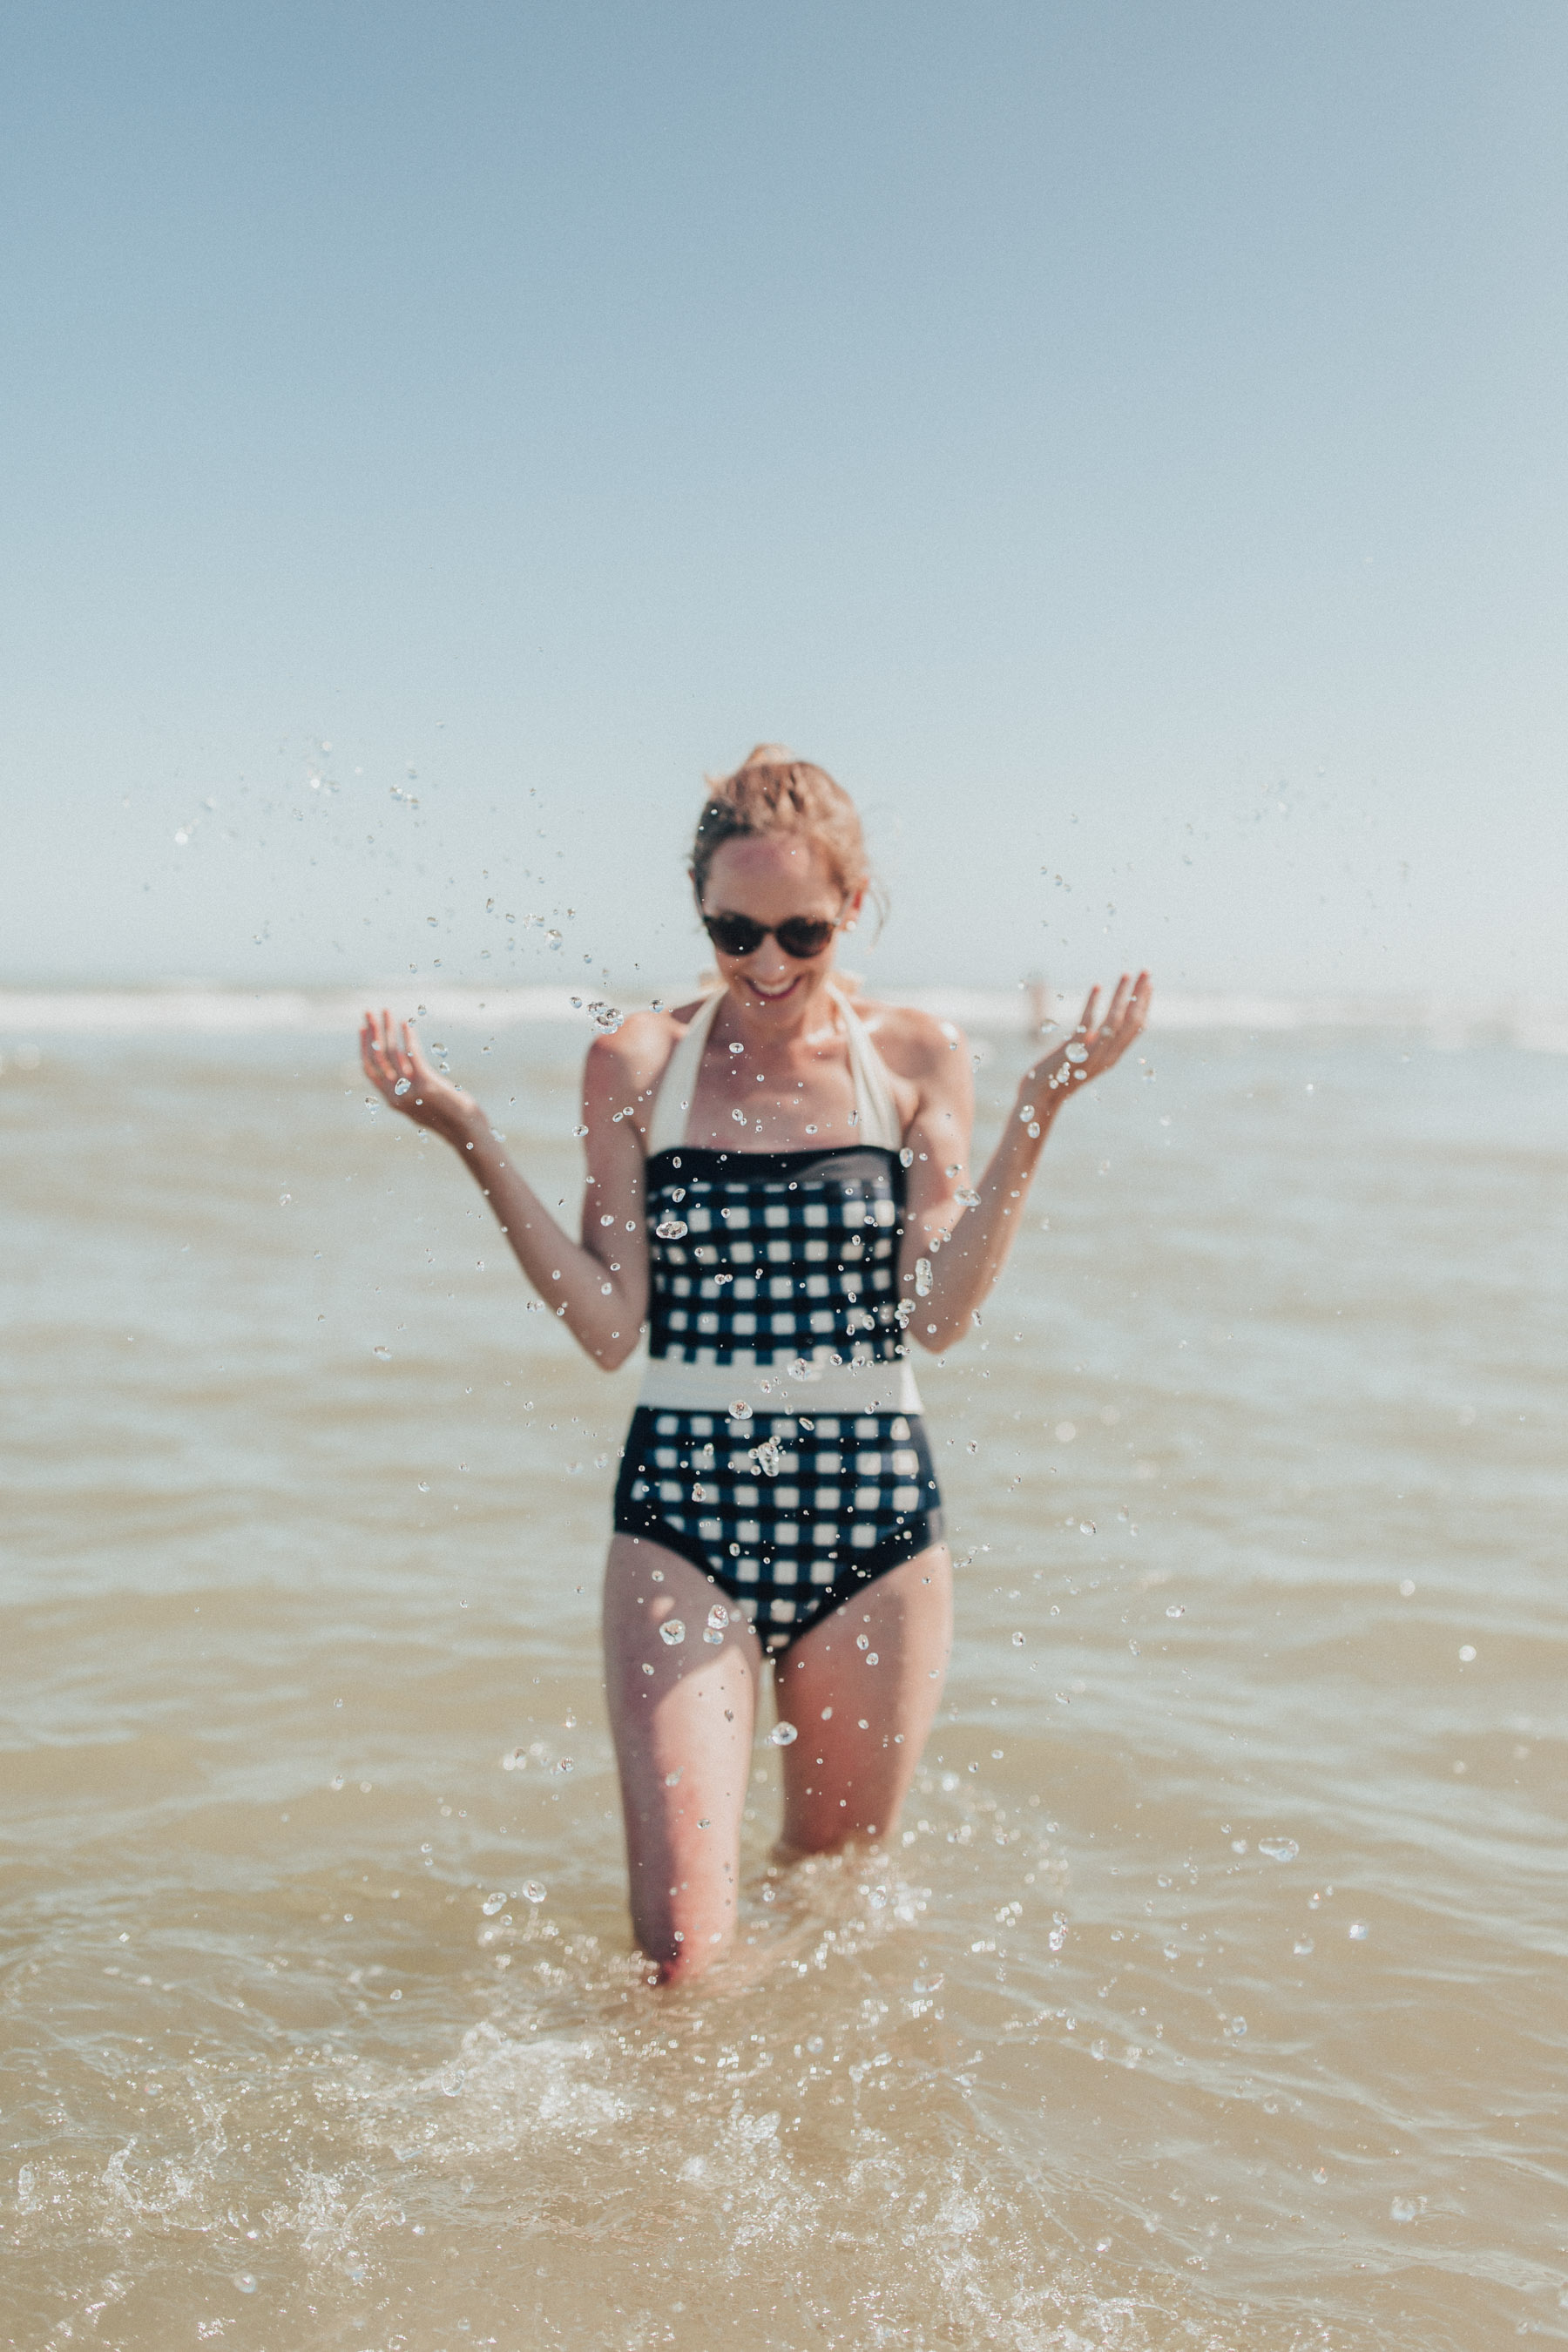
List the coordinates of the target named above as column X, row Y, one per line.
column 379, row 2108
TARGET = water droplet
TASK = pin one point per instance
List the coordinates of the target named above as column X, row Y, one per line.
column 1406, row 1588
column 1175, row 1609
column 1065, row 1432
column 517, row 1761
column 1303, row 1946
column 871, row 1658
column 1466, row 1653
column 739, row 1116
column 533, row 1890
column 718, row 1616
column 579, row 1131
column 452, row 2082
column 1236, row 2027
column 492, row 1904
column 712, row 1639
column 403, row 1085
column 922, row 1278
column 740, row 1411
column 906, row 1157
column 425, row 1485
column 566, row 1763
column 1402, row 2208
column 862, row 1640
column 1017, row 1641
column 673, row 1630
column 1359, row 1931
column 737, row 1049
column 384, row 1353
column 552, row 939
column 670, row 1227
column 1320, row 2173
column 1278, row 1849
column 1078, row 1052
column 1086, row 1528
column 768, row 1457
column 246, row 2281
column 784, row 1735
column 1100, row 2049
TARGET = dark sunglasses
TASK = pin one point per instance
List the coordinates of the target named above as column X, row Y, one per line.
column 801, row 936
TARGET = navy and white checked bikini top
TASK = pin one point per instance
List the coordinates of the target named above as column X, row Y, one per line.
column 762, row 1258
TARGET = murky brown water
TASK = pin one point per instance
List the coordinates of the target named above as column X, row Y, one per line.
column 1214, row 1994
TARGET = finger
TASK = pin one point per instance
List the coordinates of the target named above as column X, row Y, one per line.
column 1085, row 1020
column 1120, row 1000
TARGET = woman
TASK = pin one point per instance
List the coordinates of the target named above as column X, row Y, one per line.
column 778, row 1185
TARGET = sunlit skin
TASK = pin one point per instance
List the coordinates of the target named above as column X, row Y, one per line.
column 684, row 1733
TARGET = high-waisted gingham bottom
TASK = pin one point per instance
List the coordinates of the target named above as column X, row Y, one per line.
column 790, row 1515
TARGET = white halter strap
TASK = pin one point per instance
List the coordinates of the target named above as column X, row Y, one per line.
column 876, row 1111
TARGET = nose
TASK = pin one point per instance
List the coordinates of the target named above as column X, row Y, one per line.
column 769, row 963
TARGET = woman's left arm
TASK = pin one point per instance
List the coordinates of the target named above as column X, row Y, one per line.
column 956, row 1240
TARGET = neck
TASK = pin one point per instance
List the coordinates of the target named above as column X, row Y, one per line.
column 803, row 1018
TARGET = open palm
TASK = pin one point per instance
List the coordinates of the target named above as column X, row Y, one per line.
column 1096, row 1045
column 390, row 1056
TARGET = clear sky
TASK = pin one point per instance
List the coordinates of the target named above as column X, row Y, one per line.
column 1124, row 441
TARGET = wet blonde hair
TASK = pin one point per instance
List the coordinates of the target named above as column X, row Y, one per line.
column 773, row 792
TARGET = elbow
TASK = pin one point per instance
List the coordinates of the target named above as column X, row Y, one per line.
column 613, row 1352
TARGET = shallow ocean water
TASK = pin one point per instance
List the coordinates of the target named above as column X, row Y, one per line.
column 1212, row 1993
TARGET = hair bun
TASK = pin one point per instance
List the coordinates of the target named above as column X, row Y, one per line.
column 774, row 791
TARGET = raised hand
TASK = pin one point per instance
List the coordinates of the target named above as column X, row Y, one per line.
column 1095, row 1044
column 392, row 1061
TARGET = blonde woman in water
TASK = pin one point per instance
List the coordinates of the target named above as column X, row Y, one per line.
column 778, row 1188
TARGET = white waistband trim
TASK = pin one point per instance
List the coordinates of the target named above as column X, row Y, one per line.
column 678, row 1386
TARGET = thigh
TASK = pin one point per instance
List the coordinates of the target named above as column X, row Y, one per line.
column 862, row 1689
column 682, row 1713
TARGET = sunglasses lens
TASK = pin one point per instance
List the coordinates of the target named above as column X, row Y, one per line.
column 803, row 937
column 735, row 935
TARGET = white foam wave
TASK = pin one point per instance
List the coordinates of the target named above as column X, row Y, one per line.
column 1529, row 1024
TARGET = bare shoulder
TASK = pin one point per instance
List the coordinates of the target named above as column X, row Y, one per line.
column 914, row 1044
column 634, row 1055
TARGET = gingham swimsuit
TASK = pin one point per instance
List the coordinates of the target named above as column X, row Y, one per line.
column 778, row 1442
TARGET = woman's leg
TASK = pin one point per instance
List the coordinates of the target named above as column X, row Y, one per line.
column 682, row 1715
column 863, row 1714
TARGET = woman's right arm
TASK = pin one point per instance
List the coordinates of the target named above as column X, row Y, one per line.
column 598, row 1286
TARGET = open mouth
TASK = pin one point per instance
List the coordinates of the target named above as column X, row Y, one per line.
column 772, row 995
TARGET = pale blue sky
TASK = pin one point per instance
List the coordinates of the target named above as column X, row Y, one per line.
column 1107, row 436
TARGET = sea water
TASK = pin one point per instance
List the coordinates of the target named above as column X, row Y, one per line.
column 1212, row 1992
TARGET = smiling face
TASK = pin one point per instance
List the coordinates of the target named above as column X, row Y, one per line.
column 773, row 878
